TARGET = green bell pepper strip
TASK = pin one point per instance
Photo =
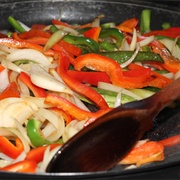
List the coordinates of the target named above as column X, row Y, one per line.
column 112, row 32
column 92, row 45
column 106, row 46
column 14, row 23
column 53, row 29
column 142, row 56
column 108, row 25
column 145, row 21
column 34, row 133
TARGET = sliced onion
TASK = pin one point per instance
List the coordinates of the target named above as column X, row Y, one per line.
column 7, row 49
column 29, row 54
column 118, row 100
column 4, row 80
column 36, row 100
column 96, row 22
column 146, row 41
column 8, row 64
column 15, row 108
column 134, row 41
column 24, row 26
column 41, row 78
column 115, row 88
column 72, row 128
column 171, row 46
column 79, row 103
column 56, row 37
column 125, row 46
column 64, row 28
column 48, row 155
column 55, row 126
column 129, row 61
column 23, row 88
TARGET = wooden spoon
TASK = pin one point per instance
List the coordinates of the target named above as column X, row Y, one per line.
column 102, row 144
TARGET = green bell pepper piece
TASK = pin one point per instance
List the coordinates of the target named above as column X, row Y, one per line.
column 34, row 133
column 80, row 41
column 142, row 56
column 112, row 32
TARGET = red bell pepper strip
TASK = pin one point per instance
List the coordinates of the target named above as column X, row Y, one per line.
column 35, row 33
column 1, row 68
column 77, row 86
column 72, row 109
column 89, row 77
column 170, row 62
column 136, row 70
column 66, row 116
column 9, row 42
column 26, row 166
column 171, row 32
column 171, row 141
column 10, row 149
column 128, row 25
column 93, row 33
column 157, row 80
column 37, row 154
column 148, row 152
column 38, row 26
column 70, row 48
column 57, row 22
column 3, row 35
column 36, row 40
column 10, row 91
column 113, row 69
column 37, row 91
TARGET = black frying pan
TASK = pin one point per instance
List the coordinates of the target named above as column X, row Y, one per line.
column 168, row 121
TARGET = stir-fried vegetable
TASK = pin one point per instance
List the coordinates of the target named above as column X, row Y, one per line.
column 58, row 78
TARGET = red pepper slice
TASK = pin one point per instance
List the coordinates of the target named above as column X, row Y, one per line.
column 34, row 33
column 9, row 42
column 93, row 33
column 77, row 86
column 10, row 91
column 10, row 149
column 171, row 141
column 37, row 91
column 172, row 32
column 148, row 152
column 128, row 25
column 72, row 109
column 66, row 116
column 70, row 48
column 38, row 26
column 27, row 166
column 89, row 77
column 37, row 154
column 57, row 22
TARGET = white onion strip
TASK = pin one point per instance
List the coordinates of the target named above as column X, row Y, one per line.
column 130, row 60
column 29, row 54
column 111, row 87
column 41, row 78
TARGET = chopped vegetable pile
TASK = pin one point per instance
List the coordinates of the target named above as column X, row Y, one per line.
column 57, row 79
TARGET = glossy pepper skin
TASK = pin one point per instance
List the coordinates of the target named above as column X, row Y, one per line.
column 113, row 33
column 142, row 56
column 34, row 133
column 87, row 43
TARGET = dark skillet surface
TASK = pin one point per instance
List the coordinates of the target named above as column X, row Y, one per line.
column 168, row 121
